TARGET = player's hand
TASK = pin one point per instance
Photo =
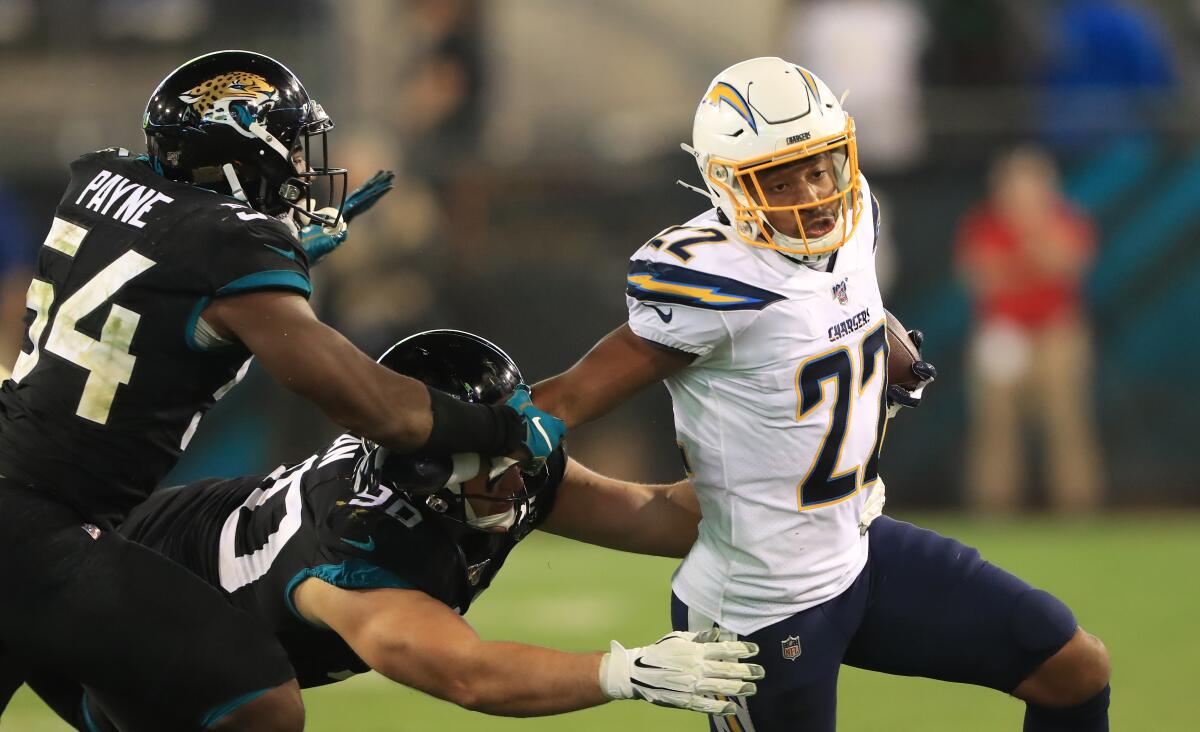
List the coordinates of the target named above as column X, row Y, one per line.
column 683, row 670
column 543, row 431
column 872, row 508
column 366, row 195
column 899, row 397
column 318, row 241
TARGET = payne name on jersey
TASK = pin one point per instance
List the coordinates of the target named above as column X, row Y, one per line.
column 126, row 201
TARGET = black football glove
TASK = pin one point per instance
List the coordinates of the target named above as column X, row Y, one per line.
column 899, row 397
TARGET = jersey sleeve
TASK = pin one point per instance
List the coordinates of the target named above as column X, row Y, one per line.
column 253, row 252
column 688, row 309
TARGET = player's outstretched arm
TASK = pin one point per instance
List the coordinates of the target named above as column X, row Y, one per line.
column 317, row 362
column 417, row 641
column 616, row 368
column 618, row 514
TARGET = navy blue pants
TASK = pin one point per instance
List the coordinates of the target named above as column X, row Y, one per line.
column 924, row 605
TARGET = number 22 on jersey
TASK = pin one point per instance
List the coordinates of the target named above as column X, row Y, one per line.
column 850, row 371
column 107, row 360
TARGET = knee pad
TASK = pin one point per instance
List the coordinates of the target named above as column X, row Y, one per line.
column 1041, row 623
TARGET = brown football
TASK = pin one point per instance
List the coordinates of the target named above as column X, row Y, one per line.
column 902, row 354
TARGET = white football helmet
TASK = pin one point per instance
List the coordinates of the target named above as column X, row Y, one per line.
column 764, row 113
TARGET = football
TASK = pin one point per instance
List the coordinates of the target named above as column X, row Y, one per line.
column 902, row 354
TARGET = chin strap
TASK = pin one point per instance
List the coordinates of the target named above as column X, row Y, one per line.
column 235, row 185
column 695, row 189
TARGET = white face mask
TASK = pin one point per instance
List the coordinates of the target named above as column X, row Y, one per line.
column 503, row 520
column 494, row 521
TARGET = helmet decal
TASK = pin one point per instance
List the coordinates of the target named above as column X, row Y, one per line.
column 722, row 92
column 809, row 83
column 233, row 122
column 212, row 100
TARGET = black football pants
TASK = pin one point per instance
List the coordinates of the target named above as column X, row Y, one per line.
column 154, row 646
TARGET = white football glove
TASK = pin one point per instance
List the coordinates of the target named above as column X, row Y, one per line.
column 872, row 509
column 680, row 669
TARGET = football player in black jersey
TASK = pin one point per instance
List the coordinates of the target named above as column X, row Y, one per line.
column 161, row 275
column 361, row 558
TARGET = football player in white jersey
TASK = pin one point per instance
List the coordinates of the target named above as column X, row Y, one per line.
column 763, row 317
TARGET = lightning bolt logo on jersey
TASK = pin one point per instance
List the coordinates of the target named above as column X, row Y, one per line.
column 780, row 416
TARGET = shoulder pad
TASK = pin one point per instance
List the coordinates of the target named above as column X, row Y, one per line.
column 107, row 153
column 238, row 215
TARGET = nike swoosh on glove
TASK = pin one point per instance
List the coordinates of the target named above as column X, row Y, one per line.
column 543, row 431
column 683, row 670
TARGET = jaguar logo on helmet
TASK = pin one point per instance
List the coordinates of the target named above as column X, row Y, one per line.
column 226, row 98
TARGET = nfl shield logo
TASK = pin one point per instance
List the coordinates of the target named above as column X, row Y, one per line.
column 840, row 294
column 791, row 647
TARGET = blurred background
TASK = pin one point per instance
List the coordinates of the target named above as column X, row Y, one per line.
column 1037, row 164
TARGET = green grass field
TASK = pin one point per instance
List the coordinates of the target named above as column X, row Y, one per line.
column 1131, row 580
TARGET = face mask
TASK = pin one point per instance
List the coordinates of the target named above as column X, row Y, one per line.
column 504, row 520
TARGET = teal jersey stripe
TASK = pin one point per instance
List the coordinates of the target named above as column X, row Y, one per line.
column 270, row 279
column 352, row 574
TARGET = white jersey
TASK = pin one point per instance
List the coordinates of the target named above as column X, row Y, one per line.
column 780, row 417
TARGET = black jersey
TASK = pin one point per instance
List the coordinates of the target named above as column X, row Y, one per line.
column 112, row 380
column 257, row 538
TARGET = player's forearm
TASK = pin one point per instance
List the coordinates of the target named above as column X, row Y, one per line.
column 618, row 367
column 575, row 397
column 645, row 519
column 512, row 679
column 368, row 400
column 590, row 388
column 395, row 411
column 320, row 364
column 662, row 526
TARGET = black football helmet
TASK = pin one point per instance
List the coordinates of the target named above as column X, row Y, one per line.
column 238, row 122
column 469, row 368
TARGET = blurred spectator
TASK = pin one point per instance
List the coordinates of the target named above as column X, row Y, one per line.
column 16, row 269
column 1023, row 254
column 872, row 49
column 441, row 109
column 441, row 119
column 1109, row 73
